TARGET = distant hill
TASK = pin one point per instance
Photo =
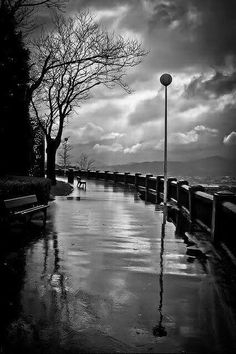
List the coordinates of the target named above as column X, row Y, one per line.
column 210, row 166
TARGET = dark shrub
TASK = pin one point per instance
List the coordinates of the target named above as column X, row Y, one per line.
column 17, row 186
column 16, row 140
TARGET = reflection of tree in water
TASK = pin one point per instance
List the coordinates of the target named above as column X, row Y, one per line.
column 136, row 197
column 159, row 330
column 12, row 278
column 57, row 279
column 56, row 253
column 14, row 326
column 45, row 261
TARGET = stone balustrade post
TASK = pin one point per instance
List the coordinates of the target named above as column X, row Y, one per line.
column 180, row 183
column 136, row 176
column 115, row 176
column 125, row 177
column 147, row 185
column 169, row 180
column 192, row 206
column 146, row 181
column 106, row 175
column 218, row 199
column 158, row 189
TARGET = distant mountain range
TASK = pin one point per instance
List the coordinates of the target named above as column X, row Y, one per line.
column 210, row 166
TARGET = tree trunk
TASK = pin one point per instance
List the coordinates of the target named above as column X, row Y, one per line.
column 51, row 159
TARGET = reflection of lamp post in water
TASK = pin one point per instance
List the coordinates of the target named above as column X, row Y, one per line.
column 166, row 80
column 159, row 330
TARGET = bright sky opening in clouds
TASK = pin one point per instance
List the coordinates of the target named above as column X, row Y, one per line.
column 194, row 41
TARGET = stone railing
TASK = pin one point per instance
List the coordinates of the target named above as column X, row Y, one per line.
column 215, row 214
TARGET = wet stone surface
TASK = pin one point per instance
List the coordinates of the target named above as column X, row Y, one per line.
column 105, row 276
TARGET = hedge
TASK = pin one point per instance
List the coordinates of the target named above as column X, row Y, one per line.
column 17, row 186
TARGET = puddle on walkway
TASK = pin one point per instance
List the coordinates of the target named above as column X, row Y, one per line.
column 106, row 276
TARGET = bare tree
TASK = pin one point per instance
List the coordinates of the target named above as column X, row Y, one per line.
column 85, row 162
column 69, row 61
column 64, row 154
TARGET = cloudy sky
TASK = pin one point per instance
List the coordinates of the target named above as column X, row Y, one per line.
column 194, row 41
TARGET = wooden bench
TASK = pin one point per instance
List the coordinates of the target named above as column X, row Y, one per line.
column 81, row 183
column 21, row 207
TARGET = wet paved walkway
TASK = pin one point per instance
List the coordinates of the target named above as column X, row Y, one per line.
column 100, row 279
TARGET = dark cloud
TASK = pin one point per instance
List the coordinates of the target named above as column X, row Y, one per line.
column 225, row 120
column 217, row 34
column 185, row 33
column 187, row 37
column 147, row 111
column 179, row 33
column 207, row 27
column 216, row 86
column 222, row 120
column 165, row 13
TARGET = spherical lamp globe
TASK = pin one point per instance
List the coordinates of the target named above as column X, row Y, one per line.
column 166, row 79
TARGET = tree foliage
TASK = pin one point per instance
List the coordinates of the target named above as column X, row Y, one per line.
column 15, row 129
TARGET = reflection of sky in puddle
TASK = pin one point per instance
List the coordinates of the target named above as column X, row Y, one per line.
column 98, row 268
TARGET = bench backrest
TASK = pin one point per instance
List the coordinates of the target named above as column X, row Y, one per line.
column 20, row 201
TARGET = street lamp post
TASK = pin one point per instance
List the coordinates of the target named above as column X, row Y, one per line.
column 165, row 80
